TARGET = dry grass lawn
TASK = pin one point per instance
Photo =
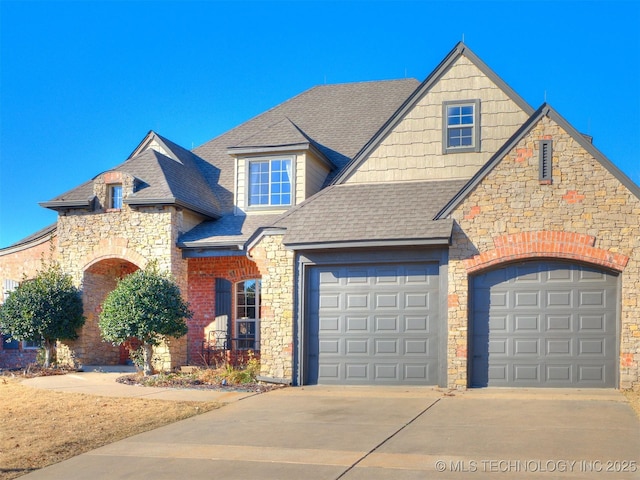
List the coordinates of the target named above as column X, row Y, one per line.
column 42, row 427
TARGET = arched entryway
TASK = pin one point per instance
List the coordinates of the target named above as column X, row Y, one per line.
column 99, row 279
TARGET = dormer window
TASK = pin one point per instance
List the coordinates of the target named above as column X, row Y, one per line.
column 115, row 196
column 461, row 126
column 270, row 182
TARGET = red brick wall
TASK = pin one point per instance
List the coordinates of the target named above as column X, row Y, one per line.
column 16, row 266
column 202, row 281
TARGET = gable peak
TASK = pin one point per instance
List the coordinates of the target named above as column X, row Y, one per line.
column 155, row 142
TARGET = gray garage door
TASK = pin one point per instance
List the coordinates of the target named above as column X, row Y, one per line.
column 544, row 324
column 373, row 324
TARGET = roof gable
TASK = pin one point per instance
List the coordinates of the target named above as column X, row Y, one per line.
column 544, row 110
column 454, row 57
column 336, row 119
column 165, row 173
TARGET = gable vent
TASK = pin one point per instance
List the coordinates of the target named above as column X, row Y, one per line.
column 545, row 152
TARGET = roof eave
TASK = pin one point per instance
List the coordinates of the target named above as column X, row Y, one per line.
column 234, row 151
column 58, row 205
column 203, row 244
column 47, row 234
column 170, row 201
column 431, row 241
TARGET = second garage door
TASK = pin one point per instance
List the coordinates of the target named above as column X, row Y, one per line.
column 544, row 324
column 373, row 324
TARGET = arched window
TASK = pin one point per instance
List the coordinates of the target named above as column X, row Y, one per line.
column 247, row 329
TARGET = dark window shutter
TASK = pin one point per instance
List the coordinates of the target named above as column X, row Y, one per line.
column 223, row 300
column 546, row 152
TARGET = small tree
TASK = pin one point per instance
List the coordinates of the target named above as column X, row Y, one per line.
column 44, row 309
column 145, row 305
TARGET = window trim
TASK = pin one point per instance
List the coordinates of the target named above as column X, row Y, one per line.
column 446, row 149
column 111, row 197
column 292, row 182
column 238, row 319
column 26, row 346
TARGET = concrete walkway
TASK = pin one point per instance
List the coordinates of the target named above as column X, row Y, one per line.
column 372, row 433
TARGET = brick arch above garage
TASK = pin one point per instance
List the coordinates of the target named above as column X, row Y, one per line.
column 545, row 244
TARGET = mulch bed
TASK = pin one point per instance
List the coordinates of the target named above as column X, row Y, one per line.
column 186, row 382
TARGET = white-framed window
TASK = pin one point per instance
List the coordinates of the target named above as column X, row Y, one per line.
column 115, row 196
column 247, row 315
column 270, row 182
column 31, row 344
column 461, row 126
column 8, row 286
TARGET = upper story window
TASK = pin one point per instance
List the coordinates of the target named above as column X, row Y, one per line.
column 461, row 122
column 270, row 182
column 115, row 196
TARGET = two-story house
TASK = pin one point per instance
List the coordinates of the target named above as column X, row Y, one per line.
column 436, row 233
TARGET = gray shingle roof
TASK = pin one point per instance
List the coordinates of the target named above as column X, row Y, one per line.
column 282, row 133
column 179, row 179
column 371, row 212
column 228, row 231
column 339, row 119
column 40, row 236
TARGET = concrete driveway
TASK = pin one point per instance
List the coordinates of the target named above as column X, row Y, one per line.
column 382, row 433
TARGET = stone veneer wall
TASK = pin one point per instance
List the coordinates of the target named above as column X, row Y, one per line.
column 276, row 329
column 136, row 236
column 584, row 198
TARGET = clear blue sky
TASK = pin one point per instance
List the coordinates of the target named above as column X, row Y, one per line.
column 81, row 83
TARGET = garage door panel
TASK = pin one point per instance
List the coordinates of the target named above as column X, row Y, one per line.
column 526, row 373
column 416, row 301
column 558, row 323
column 357, row 347
column 417, row 324
column 561, row 374
column 380, row 328
column 592, row 323
column 353, row 324
column 416, row 347
column 591, row 298
column 498, row 346
column 559, row 347
column 567, row 338
column 356, row 371
column 330, row 301
column 561, row 275
column 591, row 347
column 524, row 275
column 526, row 323
column 386, row 300
column 529, row 346
column 526, row 299
column 416, row 372
column 329, row 346
column 559, row 298
column 330, row 324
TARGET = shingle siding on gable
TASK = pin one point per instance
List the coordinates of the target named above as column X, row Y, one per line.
column 584, row 199
column 413, row 150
